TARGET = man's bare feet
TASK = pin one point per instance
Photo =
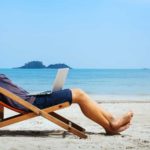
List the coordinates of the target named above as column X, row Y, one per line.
column 125, row 119
column 121, row 129
column 121, row 124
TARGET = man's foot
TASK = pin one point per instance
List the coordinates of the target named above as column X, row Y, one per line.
column 121, row 129
column 125, row 119
column 121, row 124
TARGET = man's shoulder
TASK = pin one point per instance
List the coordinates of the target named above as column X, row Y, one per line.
column 2, row 76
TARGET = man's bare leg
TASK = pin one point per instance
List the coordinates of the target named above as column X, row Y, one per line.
column 96, row 113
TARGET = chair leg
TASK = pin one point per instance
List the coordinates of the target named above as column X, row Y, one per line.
column 1, row 113
column 67, row 121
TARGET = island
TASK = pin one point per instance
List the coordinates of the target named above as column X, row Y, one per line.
column 40, row 65
column 33, row 65
column 57, row 66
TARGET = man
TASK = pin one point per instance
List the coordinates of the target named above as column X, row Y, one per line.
column 89, row 108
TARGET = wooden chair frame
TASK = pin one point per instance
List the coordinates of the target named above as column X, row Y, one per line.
column 47, row 113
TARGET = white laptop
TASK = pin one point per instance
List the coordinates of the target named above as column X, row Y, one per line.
column 58, row 82
column 60, row 79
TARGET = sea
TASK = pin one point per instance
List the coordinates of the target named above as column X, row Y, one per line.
column 100, row 84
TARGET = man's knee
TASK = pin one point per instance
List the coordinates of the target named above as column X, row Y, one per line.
column 77, row 95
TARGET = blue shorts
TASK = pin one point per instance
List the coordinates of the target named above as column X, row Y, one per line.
column 44, row 101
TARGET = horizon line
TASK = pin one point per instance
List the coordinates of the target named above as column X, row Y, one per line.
column 141, row 68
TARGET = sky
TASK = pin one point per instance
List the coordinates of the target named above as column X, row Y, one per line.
column 80, row 33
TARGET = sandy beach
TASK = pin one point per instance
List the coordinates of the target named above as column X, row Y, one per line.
column 39, row 134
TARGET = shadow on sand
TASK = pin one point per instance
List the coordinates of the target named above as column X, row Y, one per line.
column 45, row 133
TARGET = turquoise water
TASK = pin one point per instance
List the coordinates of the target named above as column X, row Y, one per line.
column 106, row 82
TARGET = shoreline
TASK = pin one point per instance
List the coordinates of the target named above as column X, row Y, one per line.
column 113, row 98
column 121, row 101
column 120, row 98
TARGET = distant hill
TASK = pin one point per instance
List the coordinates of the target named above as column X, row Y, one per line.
column 33, row 65
column 56, row 66
column 40, row 65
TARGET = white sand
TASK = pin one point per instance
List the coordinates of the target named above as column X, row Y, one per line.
column 136, row 137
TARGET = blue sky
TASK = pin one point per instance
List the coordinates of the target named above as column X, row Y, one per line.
column 80, row 33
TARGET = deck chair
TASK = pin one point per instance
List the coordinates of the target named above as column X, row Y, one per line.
column 47, row 113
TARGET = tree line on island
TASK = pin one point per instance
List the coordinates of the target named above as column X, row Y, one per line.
column 40, row 65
